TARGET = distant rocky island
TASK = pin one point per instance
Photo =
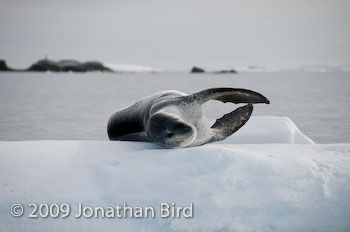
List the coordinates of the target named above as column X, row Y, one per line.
column 196, row 69
column 59, row 66
column 3, row 66
column 69, row 65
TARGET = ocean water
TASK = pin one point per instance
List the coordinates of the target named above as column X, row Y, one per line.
column 36, row 106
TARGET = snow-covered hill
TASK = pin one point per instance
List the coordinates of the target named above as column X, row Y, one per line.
column 233, row 187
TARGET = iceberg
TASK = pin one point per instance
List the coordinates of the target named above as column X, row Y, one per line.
column 272, row 185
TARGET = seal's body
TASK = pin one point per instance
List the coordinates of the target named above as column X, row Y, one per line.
column 174, row 119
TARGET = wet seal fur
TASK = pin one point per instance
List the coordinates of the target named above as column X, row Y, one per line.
column 174, row 119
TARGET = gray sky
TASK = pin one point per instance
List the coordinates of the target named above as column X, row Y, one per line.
column 177, row 34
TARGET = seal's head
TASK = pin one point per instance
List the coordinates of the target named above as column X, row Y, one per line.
column 170, row 131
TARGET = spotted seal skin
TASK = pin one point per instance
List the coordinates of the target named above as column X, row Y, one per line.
column 174, row 119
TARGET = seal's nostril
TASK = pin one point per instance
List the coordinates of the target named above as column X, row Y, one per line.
column 170, row 134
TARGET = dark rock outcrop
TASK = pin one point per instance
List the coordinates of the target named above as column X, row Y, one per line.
column 70, row 65
column 95, row 66
column 3, row 66
column 197, row 70
column 44, row 65
column 226, row 71
column 67, row 65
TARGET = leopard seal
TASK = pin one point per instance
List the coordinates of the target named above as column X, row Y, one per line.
column 174, row 119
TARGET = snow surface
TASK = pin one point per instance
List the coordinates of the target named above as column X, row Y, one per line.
column 234, row 187
column 131, row 68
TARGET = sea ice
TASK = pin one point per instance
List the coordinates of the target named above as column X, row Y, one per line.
column 233, row 187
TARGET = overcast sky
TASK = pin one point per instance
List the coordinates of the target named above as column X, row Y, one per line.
column 177, row 34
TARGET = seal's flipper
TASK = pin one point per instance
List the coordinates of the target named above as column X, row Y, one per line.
column 227, row 95
column 230, row 123
column 138, row 136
